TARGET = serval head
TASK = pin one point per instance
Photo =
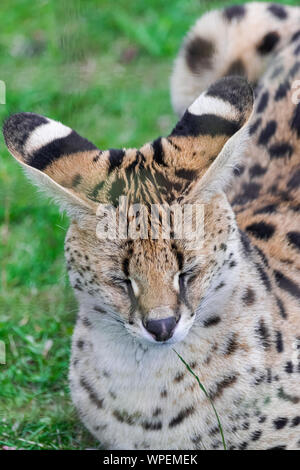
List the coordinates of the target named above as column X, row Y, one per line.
column 151, row 287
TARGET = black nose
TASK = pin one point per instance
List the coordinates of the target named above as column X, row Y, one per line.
column 161, row 330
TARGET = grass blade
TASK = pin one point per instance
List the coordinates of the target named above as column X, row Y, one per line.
column 207, row 396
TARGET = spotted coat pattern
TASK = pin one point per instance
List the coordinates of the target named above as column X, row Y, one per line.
column 237, row 299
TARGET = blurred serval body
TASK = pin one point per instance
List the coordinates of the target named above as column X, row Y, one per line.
column 232, row 308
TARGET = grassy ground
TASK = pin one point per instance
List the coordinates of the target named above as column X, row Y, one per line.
column 102, row 68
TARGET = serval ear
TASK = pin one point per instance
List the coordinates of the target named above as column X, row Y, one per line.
column 55, row 157
column 213, row 132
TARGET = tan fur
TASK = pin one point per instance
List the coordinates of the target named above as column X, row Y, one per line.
column 237, row 303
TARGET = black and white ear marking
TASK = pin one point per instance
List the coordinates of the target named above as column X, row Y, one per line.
column 38, row 141
column 236, row 92
column 222, row 110
column 214, row 128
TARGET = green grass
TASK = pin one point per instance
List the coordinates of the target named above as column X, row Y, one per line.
column 102, row 68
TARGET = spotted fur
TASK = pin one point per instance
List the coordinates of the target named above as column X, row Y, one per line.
column 236, row 301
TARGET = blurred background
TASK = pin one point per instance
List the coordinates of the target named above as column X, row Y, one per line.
column 101, row 67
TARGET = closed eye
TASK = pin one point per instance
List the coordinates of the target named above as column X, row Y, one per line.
column 120, row 280
column 186, row 277
column 129, row 285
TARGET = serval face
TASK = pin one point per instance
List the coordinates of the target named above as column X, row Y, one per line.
column 148, row 287
column 151, row 287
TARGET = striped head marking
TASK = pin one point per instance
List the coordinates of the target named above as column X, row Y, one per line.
column 142, row 284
